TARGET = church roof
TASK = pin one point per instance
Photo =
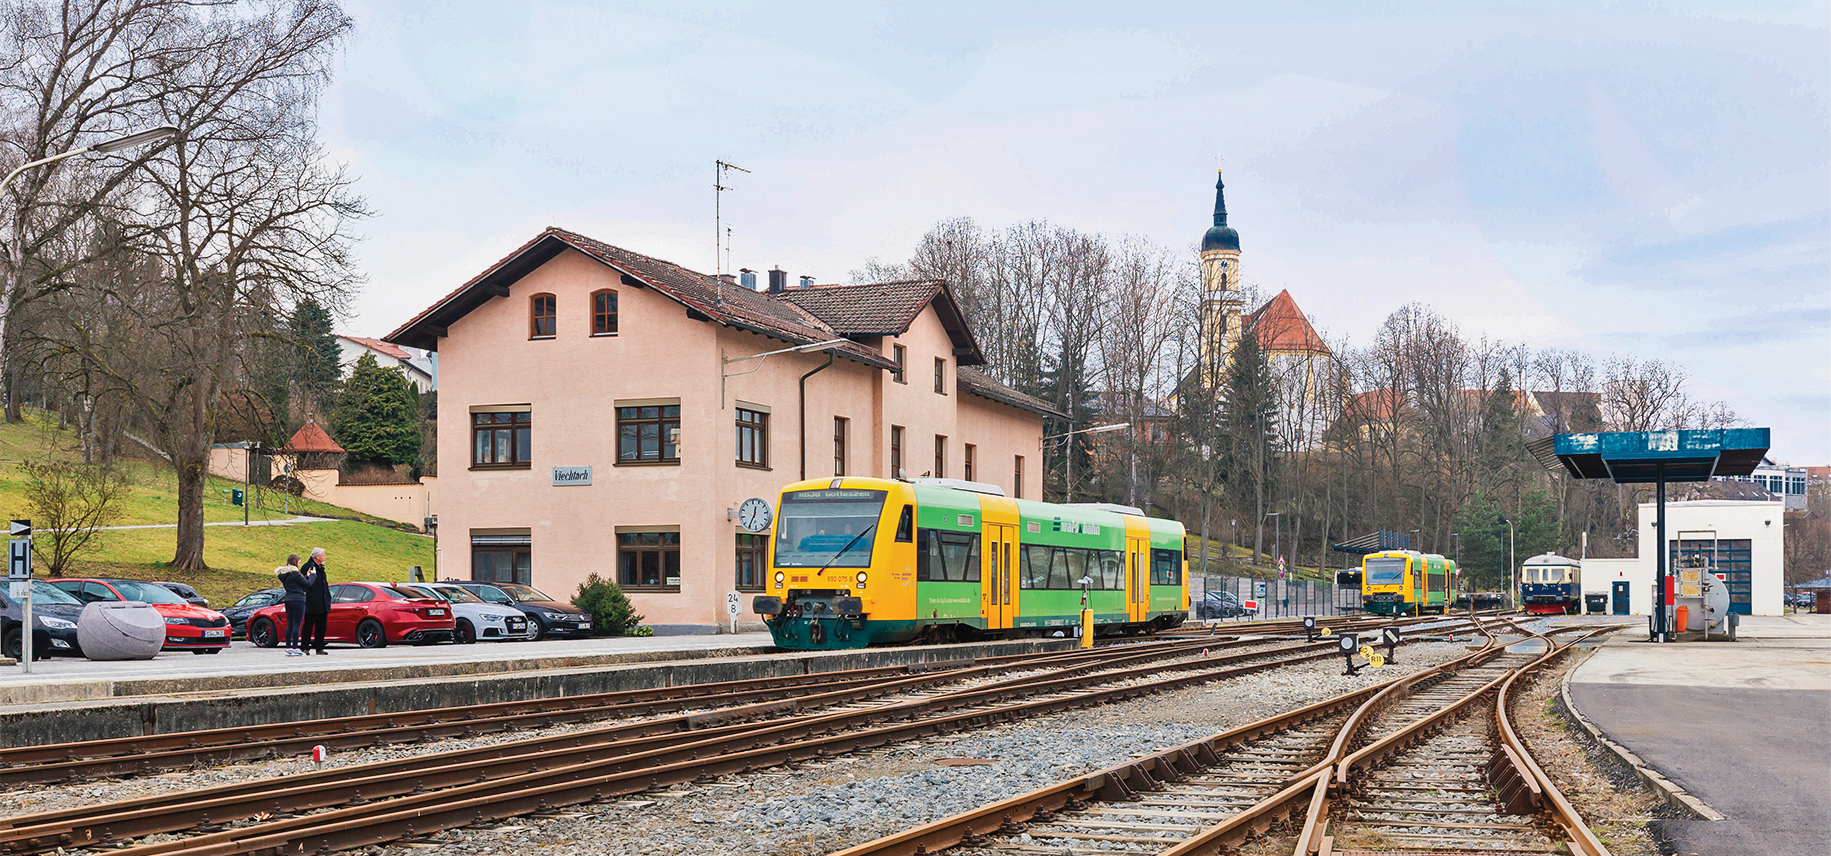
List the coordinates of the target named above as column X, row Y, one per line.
column 311, row 438
column 1281, row 326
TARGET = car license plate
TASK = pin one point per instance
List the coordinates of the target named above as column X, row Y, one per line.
column 215, row 634
column 435, row 612
column 584, row 622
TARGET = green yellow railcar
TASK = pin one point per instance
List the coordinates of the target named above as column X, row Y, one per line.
column 865, row 561
column 1406, row 582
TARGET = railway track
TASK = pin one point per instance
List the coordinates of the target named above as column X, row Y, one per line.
column 147, row 754
column 380, row 802
column 1214, row 794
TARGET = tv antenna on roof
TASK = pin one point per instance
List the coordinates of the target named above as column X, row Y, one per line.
column 718, row 198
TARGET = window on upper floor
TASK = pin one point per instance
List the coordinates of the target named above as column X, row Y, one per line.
column 1018, row 492
column 604, row 313
column 941, row 375
column 967, row 461
column 839, row 446
column 752, row 438
column 542, row 316
column 900, row 356
column 501, row 439
column 648, row 433
column 940, row 456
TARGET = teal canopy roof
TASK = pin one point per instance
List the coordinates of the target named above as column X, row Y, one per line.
column 1639, row 457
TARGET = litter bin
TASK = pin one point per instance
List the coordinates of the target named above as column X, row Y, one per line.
column 1596, row 603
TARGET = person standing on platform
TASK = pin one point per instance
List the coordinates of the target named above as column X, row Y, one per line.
column 317, row 602
column 294, row 601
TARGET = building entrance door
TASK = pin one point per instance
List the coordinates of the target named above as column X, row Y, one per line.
column 1621, row 598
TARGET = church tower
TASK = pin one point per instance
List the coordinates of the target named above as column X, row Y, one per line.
column 1222, row 300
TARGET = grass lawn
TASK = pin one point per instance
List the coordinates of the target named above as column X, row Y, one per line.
column 241, row 559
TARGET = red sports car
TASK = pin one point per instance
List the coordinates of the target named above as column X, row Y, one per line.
column 187, row 627
column 368, row 614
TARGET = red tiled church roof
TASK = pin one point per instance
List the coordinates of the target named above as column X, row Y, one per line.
column 311, row 438
column 1281, row 326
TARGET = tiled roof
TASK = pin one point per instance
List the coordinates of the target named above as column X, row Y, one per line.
column 311, row 438
column 1379, row 405
column 977, row 383
column 704, row 297
column 1281, row 326
column 887, row 309
column 382, row 347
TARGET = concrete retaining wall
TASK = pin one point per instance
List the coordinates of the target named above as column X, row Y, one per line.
column 139, row 708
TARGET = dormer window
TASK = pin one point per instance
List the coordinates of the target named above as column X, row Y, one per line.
column 542, row 316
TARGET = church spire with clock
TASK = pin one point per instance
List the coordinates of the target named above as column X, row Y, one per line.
column 1222, row 300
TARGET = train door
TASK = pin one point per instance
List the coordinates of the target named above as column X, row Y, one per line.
column 1000, row 552
column 1138, row 577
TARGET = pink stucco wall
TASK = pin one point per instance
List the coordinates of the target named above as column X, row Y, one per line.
column 573, row 380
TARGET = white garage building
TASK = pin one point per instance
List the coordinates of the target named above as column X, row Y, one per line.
column 1741, row 540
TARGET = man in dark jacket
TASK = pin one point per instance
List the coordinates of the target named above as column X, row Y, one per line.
column 317, row 602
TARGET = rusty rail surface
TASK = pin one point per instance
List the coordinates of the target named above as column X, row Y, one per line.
column 496, row 781
column 1519, row 783
column 77, row 761
column 1125, row 781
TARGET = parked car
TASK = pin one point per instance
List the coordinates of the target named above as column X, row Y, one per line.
column 239, row 611
column 187, row 627
column 1222, row 604
column 370, row 615
column 1805, row 599
column 547, row 617
column 476, row 618
column 54, row 615
column 189, row 594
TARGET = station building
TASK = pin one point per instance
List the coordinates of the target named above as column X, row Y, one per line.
column 1742, row 541
column 605, row 412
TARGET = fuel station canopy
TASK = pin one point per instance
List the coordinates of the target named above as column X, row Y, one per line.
column 1645, row 457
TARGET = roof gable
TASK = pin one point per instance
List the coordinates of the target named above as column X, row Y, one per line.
column 887, row 309
column 704, row 298
column 311, row 438
column 1281, row 326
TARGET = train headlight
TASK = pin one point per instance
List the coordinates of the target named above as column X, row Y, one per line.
column 779, row 578
column 861, row 576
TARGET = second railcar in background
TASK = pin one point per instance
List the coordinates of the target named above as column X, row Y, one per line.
column 863, row 561
column 1406, row 582
column 1551, row 585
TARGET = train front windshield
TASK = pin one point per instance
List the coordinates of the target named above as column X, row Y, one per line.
column 827, row 528
column 1385, row 572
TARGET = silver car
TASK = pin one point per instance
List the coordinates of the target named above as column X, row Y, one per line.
column 475, row 618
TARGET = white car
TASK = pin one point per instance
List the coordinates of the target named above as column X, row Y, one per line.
column 475, row 618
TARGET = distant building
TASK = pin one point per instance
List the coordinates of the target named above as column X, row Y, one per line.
column 1780, row 480
column 1741, row 541
column 418, row 368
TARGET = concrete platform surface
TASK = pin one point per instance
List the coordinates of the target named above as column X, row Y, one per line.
column 243, row 666
column 1743, row 726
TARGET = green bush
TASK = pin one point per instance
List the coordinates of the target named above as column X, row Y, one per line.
column 611, row 613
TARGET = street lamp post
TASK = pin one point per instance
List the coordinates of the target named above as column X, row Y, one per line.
column 1512, row 582
column 104, row 147
column 1068, row 478
column 1277, row 550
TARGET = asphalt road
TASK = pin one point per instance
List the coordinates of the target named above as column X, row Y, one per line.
column 1745, row 727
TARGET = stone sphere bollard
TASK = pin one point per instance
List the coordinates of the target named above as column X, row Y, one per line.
column 120, row 630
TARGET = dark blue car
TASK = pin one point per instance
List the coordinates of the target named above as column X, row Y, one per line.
column 54, row 615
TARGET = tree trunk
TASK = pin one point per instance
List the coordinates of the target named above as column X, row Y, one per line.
column 189, row 554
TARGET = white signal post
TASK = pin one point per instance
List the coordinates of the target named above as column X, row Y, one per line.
column 732, row 603
column 19, row 573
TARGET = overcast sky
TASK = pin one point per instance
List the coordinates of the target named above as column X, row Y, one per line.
column 1645, row 178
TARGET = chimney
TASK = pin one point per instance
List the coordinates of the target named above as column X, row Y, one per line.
column 778, row 280
column 807, row 282
column 728, row 279
column 747, row 278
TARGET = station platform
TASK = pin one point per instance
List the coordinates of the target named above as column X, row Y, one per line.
column 1738, row 734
